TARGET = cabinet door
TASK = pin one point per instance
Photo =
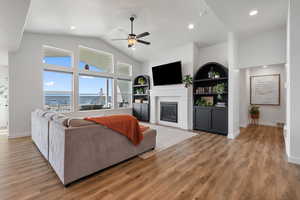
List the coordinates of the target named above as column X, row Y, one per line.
column 220, row 120
column 145, row 112
column 202, row 118
column 137, row 110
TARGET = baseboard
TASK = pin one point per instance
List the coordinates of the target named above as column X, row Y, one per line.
column 244, row 125
column 19, row 135
column 294, row 160
column 233, row 136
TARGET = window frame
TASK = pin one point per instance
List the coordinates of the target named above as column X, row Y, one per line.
column 76, row 73
column 97, row 76
column 131, row 89
column 60, row 69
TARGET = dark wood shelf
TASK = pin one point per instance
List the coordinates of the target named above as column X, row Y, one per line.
column 205, row 94
column 140, row 94
column 211, row 79
column 212, row 118
column 140, row 85
column 141, row 110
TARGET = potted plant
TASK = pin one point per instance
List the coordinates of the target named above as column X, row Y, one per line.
column 141, row 81
column 220, row 88
column 187, row 80
column 254, row 112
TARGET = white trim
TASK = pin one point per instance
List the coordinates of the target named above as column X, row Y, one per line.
column 57, row 68
column 234, row 135
column 19, row 135
column 294, row 160
column 97, row 74
column 100, row 52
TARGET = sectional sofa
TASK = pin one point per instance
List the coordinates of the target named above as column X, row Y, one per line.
column 76, row 148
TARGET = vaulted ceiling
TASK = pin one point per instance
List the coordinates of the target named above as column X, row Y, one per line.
column 166, row 20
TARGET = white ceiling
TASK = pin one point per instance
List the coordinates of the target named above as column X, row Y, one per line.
column 235, row 14
column 166, row 20
column 13, row 15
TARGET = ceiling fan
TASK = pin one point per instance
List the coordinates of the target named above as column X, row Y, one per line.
column 132, row 38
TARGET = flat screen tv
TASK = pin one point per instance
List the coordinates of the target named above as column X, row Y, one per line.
column 167, row 74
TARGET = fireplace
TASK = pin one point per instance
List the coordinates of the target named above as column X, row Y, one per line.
column 169, row 111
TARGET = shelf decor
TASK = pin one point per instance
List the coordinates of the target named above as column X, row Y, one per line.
column 141, row 98
column 210, row 95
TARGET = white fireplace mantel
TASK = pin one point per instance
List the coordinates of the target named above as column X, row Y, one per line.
column 178, row 94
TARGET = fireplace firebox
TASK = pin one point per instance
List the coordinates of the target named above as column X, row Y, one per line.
column 169, row 111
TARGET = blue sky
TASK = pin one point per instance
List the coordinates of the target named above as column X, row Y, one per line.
column 57, row 81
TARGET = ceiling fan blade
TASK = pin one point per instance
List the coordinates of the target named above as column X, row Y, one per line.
column 129, row 45
column 144, row 42
column 118, row 39
column 143, row 35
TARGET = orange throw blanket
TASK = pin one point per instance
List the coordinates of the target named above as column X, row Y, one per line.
column 127, row 125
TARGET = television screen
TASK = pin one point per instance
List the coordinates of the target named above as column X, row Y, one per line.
column 167, row 74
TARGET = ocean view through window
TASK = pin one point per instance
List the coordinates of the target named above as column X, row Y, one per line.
column 95, row 92
column 90, row 84
column 58, row 91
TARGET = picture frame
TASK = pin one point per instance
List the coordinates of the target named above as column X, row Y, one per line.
column 265, row 90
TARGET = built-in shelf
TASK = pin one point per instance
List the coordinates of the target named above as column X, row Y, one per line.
column 140, row 85
column 211, row 93
column 140, row 95
column 141, row 110
column 211, row 79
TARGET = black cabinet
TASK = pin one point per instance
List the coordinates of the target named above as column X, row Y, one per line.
column 202, row 118
column 211, row 119
column 141, row 111
column 219, row 120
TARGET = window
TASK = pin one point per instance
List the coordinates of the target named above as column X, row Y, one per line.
column 95, row 92
column 124, row 93
column 58, row 91
column 57, row 57
column 95, row 61
column 124, row 69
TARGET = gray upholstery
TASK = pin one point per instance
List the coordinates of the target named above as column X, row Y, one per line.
column 39, row 131
column 80, row 151
column 76, row 148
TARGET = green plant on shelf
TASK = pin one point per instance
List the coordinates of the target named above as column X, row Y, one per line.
column 203, row 102
column 141, row 81
column 139, row 91
column 220, row 89
column 187, row 80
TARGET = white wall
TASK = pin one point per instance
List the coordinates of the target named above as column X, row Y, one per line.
column 3, row 57
column 269, row 115
column 293, row 70
column 216, row 53
column 265, row 48
column 26, row 74
column 233, row 87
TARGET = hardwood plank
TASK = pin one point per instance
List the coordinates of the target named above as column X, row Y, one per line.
column 207, row 166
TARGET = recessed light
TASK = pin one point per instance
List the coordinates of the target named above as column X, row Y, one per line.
column 265, row 66
column 253, row 12
column 72, row 27
column 191, row 26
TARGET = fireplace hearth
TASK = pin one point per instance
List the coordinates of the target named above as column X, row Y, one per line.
column 169, row 111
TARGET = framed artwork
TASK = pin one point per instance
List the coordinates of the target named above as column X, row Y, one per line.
column 265, row 90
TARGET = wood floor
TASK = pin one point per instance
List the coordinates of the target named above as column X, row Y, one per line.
column 205, row 167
